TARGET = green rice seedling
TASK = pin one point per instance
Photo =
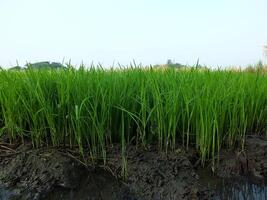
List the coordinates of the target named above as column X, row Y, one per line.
column 95, row 108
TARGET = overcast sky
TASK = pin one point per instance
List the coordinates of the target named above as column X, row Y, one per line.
column 219, row 33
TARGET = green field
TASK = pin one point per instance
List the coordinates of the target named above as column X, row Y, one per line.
column 95, row 108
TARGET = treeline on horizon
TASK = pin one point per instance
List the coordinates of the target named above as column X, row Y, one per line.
column 258, row 67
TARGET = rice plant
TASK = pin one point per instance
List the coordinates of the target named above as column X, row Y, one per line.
column 93, row 108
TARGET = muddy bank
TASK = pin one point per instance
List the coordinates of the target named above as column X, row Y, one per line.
column 154, row 175
column 50, row 173
column 58, row 173
column 251, row 162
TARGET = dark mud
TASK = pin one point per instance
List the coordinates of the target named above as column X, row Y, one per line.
column 154, row 175
column 250, row 162
column 59, row 173
column 50, row 173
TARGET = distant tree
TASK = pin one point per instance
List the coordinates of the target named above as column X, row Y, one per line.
column 45, row 65
column 172, row 64
column 169, row 62
column 56, row 65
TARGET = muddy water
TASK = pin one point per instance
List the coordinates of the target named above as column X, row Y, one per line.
column 240, row 188
column 231, row 189
column 5, row 194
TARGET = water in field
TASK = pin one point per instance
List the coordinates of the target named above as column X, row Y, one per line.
column 5, row 194
column 230, row 189
column 241, row 189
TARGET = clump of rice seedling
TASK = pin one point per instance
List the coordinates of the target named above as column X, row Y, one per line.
column 93, row 108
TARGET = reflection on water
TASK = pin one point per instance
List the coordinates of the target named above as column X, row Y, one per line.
column 240, row 189
column 5, row 194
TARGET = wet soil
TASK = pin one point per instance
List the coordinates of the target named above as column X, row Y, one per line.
column 60, row 173
column 252, row 161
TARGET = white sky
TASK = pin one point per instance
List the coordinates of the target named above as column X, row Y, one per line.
column 219, row 33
